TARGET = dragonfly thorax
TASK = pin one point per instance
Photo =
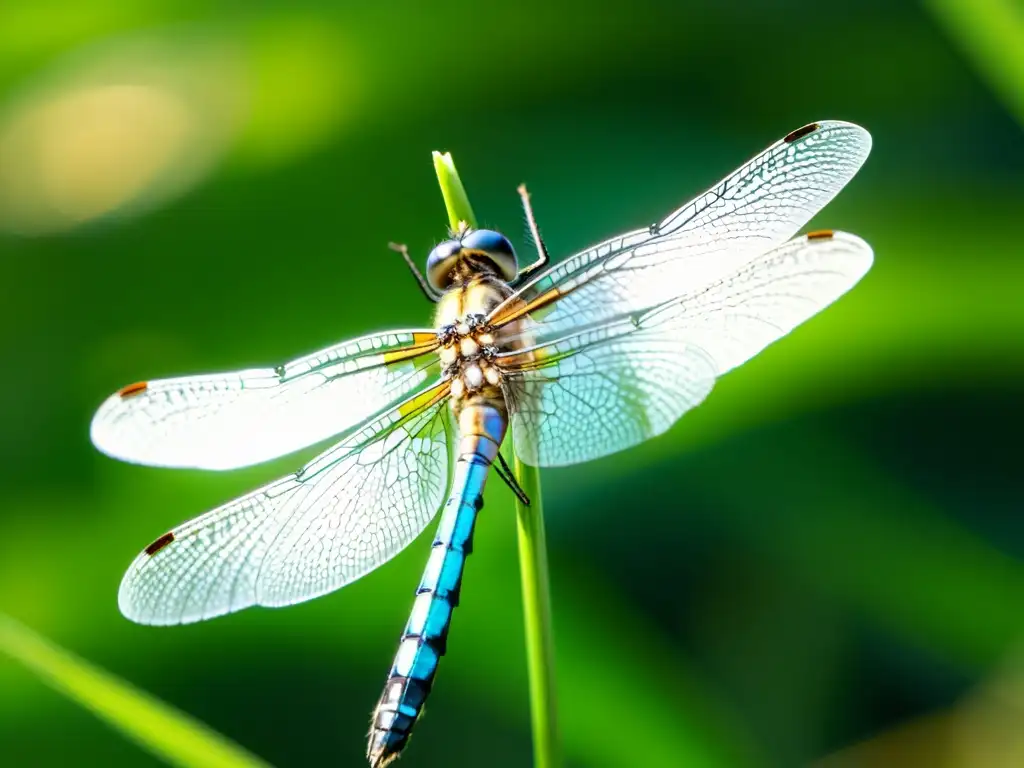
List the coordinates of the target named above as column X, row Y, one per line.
column 468, row 353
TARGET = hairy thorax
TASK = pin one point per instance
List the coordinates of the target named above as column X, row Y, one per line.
column 469, row 346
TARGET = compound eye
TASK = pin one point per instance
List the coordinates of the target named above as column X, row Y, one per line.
column 441, row 263
column 488, row 241
column 496, row 247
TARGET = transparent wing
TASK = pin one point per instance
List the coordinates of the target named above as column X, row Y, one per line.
column 611, row 385
column 346, row 512
column 760, row 205
column 736, row 317
column 228, row 420
column 603, row 391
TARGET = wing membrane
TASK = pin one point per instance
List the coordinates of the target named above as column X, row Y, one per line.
column 611, row 385
column 603, row 391
column 760, row 205
column 346, row 512
column 222, row 421
column 735, row 318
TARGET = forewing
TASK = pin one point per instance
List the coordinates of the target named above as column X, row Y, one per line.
column 736, row 317
column 346, row 512
column 221, row 421
column 760, row 205
column 615, row 383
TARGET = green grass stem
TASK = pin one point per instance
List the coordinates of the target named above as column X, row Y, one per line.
column 540, row 647
column 455, row 201
column 533, row 562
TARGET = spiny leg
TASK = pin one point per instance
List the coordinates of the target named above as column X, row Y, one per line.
column 506, row 474
column 428, row 291
column 531, row 221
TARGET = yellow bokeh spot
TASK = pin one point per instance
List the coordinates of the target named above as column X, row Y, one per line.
column 115, row 130
column 88, row 152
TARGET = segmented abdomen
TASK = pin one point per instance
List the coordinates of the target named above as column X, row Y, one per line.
column 424, row 639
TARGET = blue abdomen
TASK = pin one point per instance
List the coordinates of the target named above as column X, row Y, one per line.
column 424, row 639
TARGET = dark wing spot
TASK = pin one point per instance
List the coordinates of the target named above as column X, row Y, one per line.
column 159, row 544
column 133, row 389
column 820, row 234
column 799, row 133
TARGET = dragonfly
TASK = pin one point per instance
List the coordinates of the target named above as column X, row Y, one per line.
column 580, row 359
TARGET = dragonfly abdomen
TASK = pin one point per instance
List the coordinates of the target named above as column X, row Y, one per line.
column 423, row 643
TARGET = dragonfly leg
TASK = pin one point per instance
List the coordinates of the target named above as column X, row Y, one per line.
column 510, row 480
column 428, row 291
column 531, row 221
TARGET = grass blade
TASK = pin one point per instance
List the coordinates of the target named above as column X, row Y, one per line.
column 540, row 645
column 455, row 200
column 991, row 33
column 158, row 728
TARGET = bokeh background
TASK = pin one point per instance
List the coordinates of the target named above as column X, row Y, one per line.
column 823, row 565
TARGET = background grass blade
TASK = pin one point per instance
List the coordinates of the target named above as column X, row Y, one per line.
column 156, row 727
column 990, row 33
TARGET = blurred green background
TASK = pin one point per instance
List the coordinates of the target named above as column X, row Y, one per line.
column 824, row 564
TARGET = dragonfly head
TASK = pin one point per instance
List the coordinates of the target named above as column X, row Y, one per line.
column 475, row 250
